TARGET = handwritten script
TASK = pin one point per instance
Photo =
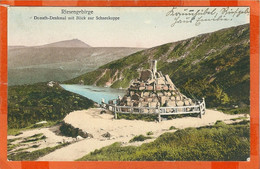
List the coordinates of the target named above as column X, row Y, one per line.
column 210, row 14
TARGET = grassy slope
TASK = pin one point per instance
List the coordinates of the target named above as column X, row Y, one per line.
column 216, row 143
column 29, row 104
column 214, row 66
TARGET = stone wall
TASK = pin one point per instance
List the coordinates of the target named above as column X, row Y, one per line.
column 154, row 89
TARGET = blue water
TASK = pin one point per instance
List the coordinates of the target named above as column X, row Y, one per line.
column 95, row 93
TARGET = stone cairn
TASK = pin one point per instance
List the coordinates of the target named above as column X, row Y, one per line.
column 153, row 89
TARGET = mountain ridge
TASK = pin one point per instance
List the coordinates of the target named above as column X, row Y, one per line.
column 213, row 65
column 28, row 65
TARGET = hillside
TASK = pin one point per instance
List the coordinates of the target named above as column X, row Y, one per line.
column 29, row 104
column 214, row 65
column 58, row 61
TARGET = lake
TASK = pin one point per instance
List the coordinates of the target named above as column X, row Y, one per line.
column 95, row 93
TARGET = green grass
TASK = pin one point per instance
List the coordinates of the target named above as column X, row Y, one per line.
column 31, row 156
column 30, row 104
column 172, row 128
column 143, row 117
column 149, row 133
column 232, row 111
column 139, row 138
column 33, row 139
column 220, row 142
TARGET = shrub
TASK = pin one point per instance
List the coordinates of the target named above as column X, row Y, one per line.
column 139, row 138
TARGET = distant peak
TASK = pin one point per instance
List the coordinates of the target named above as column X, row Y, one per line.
column 68, row 43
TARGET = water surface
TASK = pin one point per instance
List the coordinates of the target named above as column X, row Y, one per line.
column 95, row 93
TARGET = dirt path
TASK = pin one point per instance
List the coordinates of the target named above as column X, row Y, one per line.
column 122, row 130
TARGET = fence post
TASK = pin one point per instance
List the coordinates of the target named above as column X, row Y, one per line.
column 204, row 105
column 159, row 114
column 115, row 111
column 200, row 110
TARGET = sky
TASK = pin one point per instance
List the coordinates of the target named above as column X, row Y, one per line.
column 137, row 26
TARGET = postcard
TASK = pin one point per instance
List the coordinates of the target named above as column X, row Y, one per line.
column 130, row 85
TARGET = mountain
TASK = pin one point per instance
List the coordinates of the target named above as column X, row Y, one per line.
column 58, row 61
column 76, row 43
column 213, row 65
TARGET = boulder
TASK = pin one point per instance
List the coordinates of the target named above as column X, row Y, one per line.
column 172, row 98
column 180, row 103
column 129, row 103
column 165, row 88
column 186, row 102
column 162, row 100
column 160, row 94
column 178, row 98
column 153, row 104
column 171, row 103
column 160, row 81
column 155, row 99
column 131, row 93
column 141, row 88
column 144, row 104
column 106, row 135
column 128, row 99
column 149, row 99
column 145, row 75
column 151, row 81
column 158, row 87
column 146, row 94
column 149, row 87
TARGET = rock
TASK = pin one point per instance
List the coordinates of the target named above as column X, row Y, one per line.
column 145, row 75
column 149, row 99
column 146, row 94
column 153, row 104
column 186, row 102
column 79, row 138
column 103, row 112
column 107, row 135
column 151, row 81
column 135, row 97
column 129, row 103
column 171, row 103
column 160, row 81
column 162, row 100
column 150, row 88
column 155, row 99
column 144, row 104
column 158, row 87
column 136, row 104
column 172, row 98
column 165, row 88
column 180, row 103
column 132, row 93
column 128, row 99
column 178, row 98
column 141, row 88
column 160, row 94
